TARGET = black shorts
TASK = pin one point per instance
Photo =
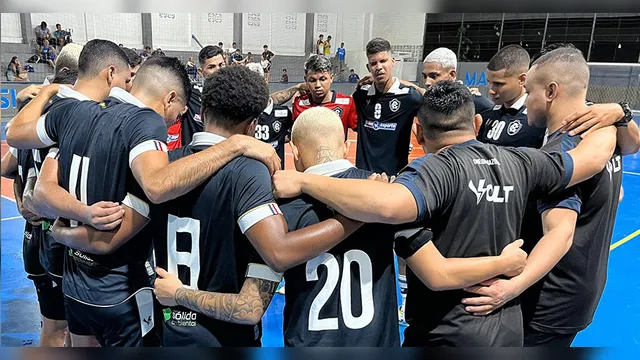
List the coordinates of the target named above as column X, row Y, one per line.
column 50, row 297
column 128, row 324
column 51, row 255
column 534, row 338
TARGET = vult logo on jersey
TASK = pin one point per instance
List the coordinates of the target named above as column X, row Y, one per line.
column 493, row 192
column 394, row 105
column 613, row 166
column 376, row 125
column 514, row 127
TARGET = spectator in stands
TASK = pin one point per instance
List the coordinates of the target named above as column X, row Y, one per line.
column 285, row 77
column 341, row 55
column 147, row 52
column 249, row 57
column 15, row 71
column 62, row 37
column 327, row 46
column 267, row 58
column 42, row 33
column 48, row 54
column 353, row 77
column 135, row 61
column 320, row 45
column 192, row 69
column 233, row 54
column 239, row 59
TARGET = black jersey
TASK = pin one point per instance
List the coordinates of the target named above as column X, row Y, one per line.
column 32, row 234
column 346, row 296
column 52, row 252
column 274, row 125
column 509, row 127
column 200, row 238
column 482, row 104
column 384, row 126
column 565, row 300
column 473, row 197
column 98, row 143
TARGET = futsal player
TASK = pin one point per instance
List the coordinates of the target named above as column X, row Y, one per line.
column 385, row 110
column 458, row 193
column 565, row 298
column 319, row 78
column 361, row 311
column 125, row 266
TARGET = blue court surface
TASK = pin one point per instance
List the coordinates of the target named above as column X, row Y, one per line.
column 616, row 324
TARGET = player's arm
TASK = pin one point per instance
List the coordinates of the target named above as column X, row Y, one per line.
column 9, row 164
column 439, row 273
column 282, row 96
column 558, row 225
column 88, row 239
column 23, row 131
column 246, row 307
column 163, row 181
column 24, row 196
column 421, row 90
column 596, row 116
column 362, row 200
column 52, row 201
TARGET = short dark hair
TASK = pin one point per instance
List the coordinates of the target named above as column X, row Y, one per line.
column 317, row 63
column 265, row 46
column 134, row 58
column 446, row 106
column 233, row 96
column 551, row 47
column 284, row 69
column 208, row 52
column 514, row 59
column 158, row 52
column 44, row 23
column 167, row 71
column 65, row 76
column 58, row 25
column 98, row 54
column 569, row 68
column 377, row 45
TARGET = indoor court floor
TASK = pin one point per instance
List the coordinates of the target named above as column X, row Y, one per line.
column 616, row 324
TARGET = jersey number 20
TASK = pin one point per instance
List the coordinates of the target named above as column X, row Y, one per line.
column 333, row 275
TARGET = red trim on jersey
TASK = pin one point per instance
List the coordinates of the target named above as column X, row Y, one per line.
column 342, row 104
column 174, row 135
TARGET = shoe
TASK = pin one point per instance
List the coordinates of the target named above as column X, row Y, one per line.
column 401, row 319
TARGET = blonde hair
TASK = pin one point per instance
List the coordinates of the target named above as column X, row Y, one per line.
column 316, row 127
column 68, row 57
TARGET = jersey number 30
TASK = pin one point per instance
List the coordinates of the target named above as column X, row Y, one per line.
column 496, row 130
column 333, row 274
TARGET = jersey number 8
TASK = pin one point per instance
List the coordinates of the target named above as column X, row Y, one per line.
column 333, row 274
column 262, row 132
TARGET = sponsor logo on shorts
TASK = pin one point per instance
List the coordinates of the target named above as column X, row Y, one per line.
column 27, row 235
column 493, row 161
column 179, row 317
column 376, row 125
column 80, row 257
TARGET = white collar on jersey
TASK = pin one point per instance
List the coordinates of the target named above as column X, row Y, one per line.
column 66, row 92
column 125, row 97
column 516, row 105
column 330, row 168
column 395, row 88
column 206, row 138
column 269, row 108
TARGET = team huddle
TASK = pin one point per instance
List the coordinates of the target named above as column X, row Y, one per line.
column 159, row 214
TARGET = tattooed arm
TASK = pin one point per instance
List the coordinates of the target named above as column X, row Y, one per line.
column 246, row 307
column 285, row 95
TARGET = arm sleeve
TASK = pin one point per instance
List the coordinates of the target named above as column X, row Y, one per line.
column 481, row 104
column 567, row 199
column 252, row 193
column 145, row 131
column 432, row 183
column 295, row 107
column 547, row 173
column 409, row 241
column 352, row 118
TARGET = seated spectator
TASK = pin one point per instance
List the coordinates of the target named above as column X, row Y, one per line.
column 249, row 57
column 234, row 54
column 285, row 77
column 15, row 71
column 353, row 77
column 62, row 37
column 42, row 33
column 238, row 59
column 147, row 52
column 48, row 54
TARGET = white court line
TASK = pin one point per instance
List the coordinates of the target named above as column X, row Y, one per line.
column 631, row 173
column 8, row 198
column 12, row 218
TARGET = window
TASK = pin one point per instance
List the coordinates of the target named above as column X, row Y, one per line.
column 616, row 39
column 576, row 31
column 479, row 40
column 444, row 33
column 526, row 33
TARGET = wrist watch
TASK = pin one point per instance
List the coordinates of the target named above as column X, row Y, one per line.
column 628, row 115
